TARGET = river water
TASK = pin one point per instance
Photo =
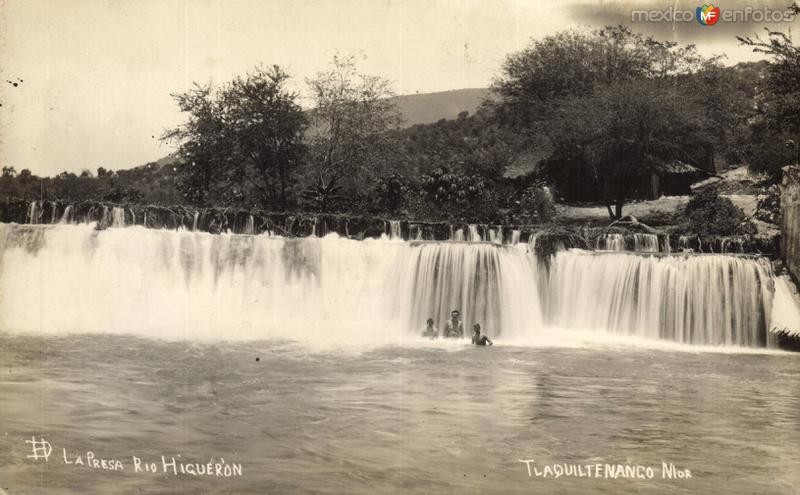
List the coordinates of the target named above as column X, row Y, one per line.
column 427, row 417
column 299, row 362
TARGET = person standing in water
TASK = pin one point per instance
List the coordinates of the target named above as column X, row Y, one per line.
column 454, row 328
column 430, row 330
column 479, row 339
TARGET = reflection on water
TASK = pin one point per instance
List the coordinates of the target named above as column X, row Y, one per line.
column 440, row 419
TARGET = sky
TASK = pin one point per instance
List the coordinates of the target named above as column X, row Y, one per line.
column 87, row 83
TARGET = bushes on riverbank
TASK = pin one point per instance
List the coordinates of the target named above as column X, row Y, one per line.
column 708, row 213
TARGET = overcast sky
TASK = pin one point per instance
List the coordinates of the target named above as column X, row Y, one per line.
column 93, row 77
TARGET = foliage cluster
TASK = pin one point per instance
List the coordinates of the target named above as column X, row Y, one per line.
column 708, row 213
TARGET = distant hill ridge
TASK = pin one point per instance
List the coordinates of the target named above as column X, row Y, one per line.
column 426, row 108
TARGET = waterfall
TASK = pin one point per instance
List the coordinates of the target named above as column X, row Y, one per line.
column 65, row 217
column 195, row 218
column 118, row 217
column 642, row 243
column 785, row 315
column 515, row 235
column 729, row 243
column 482, row 282
column 532, row 242
column 700, row 299
column 496, row 235
column 611, row 242
column 191, row 285
column 645, row 243
column 473, row 234
column 33, row 214
column 249, row 226
column 395, row 232
column 683, row 243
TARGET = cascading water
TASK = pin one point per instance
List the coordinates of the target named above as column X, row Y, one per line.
column 473, row 234
column 735, row 245
column 645, row 243
column 33, row 215
column 699, row 300
column 395, row 231
column 493, row 286
column 67, row 215
column 249, row 226
column 642, row 243
column 611, row 242
column 532, row 243
column 182, row 284
column 118, row 217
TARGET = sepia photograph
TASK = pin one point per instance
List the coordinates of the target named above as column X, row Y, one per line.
column 399, row 247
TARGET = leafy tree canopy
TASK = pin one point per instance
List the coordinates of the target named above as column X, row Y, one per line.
column 243, row 139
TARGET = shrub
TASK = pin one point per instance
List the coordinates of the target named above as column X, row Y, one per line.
column 769, row 207
column 469, row 198
column 535, row 205
column 390, row 193
column 708, row 213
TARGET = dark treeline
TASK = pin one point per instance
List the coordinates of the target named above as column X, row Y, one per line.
column 577, row 117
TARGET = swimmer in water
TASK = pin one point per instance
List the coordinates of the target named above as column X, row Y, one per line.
column 430, row 330
column 479, row 339
column 454, row 328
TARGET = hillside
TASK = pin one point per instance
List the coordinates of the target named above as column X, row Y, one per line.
column 431, row 107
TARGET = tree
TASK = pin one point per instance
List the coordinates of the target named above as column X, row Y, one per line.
column 570, row 63
column 66, row 175
column 625, row 132
column 776, row 133
column 242, row 139
column 729, row 117
column 609, row 105
column 351, row 116
column 9, row 172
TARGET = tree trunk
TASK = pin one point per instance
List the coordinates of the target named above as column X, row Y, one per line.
column 620, row 202
column 610, row 211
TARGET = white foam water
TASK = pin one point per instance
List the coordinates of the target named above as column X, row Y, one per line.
column 334, row 291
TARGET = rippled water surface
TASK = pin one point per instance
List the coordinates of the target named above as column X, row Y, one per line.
column 440, row 418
